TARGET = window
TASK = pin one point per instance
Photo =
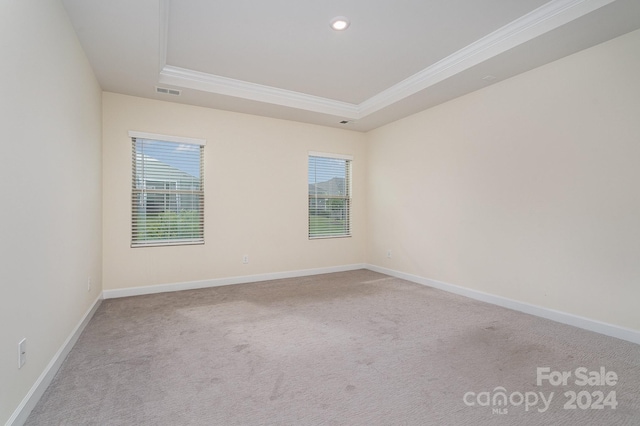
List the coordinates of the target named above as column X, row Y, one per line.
column 329, row 182
column 167, row 196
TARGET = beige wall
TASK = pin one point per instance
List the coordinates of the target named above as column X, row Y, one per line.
column 527, row 189
column 50, row 180
column 255, row 195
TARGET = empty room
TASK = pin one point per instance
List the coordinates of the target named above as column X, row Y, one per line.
column 320, row 213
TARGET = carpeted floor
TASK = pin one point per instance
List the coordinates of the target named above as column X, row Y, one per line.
column 352, row 348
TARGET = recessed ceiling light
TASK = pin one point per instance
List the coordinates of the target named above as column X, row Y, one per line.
column 340, row 23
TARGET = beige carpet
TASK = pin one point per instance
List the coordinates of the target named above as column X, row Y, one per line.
column 352, row 348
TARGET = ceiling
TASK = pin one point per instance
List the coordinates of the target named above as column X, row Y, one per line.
column 281, row 59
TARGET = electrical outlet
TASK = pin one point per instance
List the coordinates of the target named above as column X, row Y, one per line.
column 245, row 258
column 389, row 254
column 22, row 352
column 89, row 284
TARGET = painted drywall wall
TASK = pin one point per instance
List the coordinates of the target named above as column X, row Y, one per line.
column 255, row 195
column 50, row 180
column 527, row 189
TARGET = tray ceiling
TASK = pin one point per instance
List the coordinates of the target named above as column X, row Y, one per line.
column 281, row 58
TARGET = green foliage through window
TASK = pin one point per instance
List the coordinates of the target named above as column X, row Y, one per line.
column 167, row 193
column 329, row 181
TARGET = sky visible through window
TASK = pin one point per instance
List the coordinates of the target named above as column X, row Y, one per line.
column 323, row 169
column 184, row 157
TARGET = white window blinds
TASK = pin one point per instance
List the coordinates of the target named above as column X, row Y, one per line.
column 329, row 181
column 167, row 201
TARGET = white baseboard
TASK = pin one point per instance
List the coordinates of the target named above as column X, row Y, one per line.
column 37, row 390
column 217, row 282
column 551, row 314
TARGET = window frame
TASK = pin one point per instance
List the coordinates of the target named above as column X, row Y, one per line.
column 348, row 197
column 138, row 193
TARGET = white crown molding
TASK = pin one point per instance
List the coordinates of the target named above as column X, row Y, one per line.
column 537, row 22
column 197, row 80
column 164, row 33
